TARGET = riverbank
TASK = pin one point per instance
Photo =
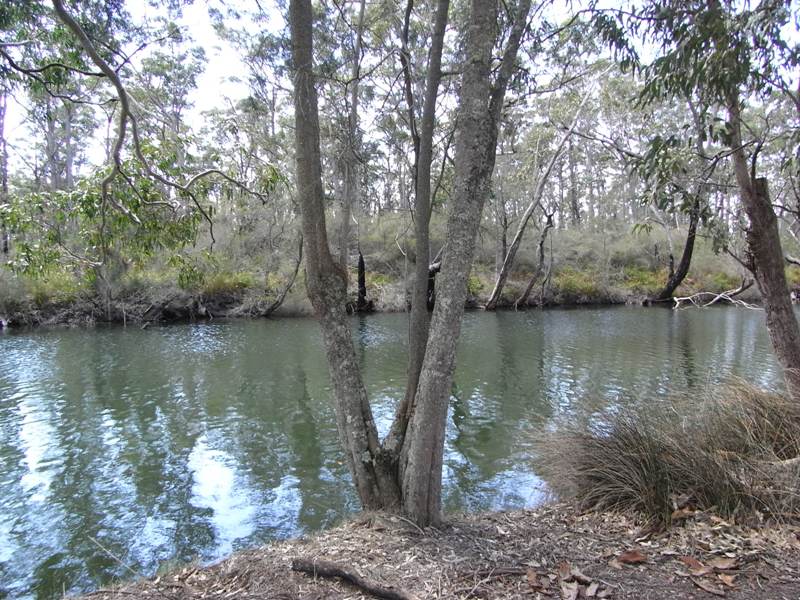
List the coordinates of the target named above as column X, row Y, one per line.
column 549, row 552
column 43, row 303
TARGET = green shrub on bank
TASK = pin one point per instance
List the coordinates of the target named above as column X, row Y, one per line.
column 576, row 284
column 793, row 276
column 225, row 282
column 644, row 281
column 737, row 450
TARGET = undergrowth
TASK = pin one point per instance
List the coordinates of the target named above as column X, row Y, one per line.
column 736, row 450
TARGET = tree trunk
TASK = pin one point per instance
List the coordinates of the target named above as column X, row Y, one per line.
column 350, row 198
column 414, row 483
column 491, row 304
column 423, row 147
column 676, row 276
column 326, row 281
column 573, row 187
column 421, row 460
column 362, row 304
column 4, row 241
column 537, row 274
column 765, row 256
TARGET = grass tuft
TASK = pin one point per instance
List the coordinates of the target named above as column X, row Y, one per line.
column 736, row 450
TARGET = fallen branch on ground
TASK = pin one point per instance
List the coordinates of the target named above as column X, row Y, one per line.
column 323, row 568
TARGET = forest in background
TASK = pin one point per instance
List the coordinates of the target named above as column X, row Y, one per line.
column 600, row 189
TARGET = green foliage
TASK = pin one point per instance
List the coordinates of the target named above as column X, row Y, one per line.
column 644, row 281
column 474, row 285
column 76, row 227
column 793, row 275
column 57, row 287
column 581, row 284
column 722, row 281
column 224, row 282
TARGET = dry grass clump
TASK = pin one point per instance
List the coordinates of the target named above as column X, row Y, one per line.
column 737, row 450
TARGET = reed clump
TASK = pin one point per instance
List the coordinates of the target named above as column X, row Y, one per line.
column 736, row 450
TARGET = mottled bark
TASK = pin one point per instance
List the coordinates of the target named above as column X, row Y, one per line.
column 476, row 142
column 4, row 238
column 423, row 157
column 765, row 257
column 326, row 282
column 414, row 483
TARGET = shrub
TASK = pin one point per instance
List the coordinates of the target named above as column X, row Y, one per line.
column 644, row 281
column 574, row 283
column 737, row 450
column 224, row 282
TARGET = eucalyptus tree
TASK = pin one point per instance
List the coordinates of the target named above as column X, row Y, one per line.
column 406, row 475
column 730, row 52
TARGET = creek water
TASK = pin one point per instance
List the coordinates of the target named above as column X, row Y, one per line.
column 186, row 442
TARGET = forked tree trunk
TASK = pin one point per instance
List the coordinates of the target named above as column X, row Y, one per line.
column 415, row 483
column 766, row 257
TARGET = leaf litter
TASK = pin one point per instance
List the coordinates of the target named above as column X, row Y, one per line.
column 551, row 552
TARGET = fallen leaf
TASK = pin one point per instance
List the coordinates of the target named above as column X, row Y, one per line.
column 564, row 570
column 614, row 563
column 538, row 583
column 569, row 590
column 681, row 514
column 604, row 593
column 723, row 564
column 576, row 574
column 632, row 557
column 691, row 562
column 707, row 587
column 727, row 579
column 591, row 591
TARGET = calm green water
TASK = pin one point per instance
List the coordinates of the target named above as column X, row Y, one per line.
column 191, row 441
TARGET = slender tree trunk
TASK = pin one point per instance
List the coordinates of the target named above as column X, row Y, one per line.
column 766, row 257
column 69, row 146
column 537, row 274
column 423, row 147
column 491, row 304
column 476, row 143
column 676, row 276
column 350, row 197
column 573, row 187
column 326, row 282
column 361, row 303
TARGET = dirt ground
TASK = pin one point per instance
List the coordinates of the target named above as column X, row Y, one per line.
column 550, row 552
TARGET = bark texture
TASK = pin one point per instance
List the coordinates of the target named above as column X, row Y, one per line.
column 423, row 149
column 765, row 256
column 476, row 142
column 326, row 281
